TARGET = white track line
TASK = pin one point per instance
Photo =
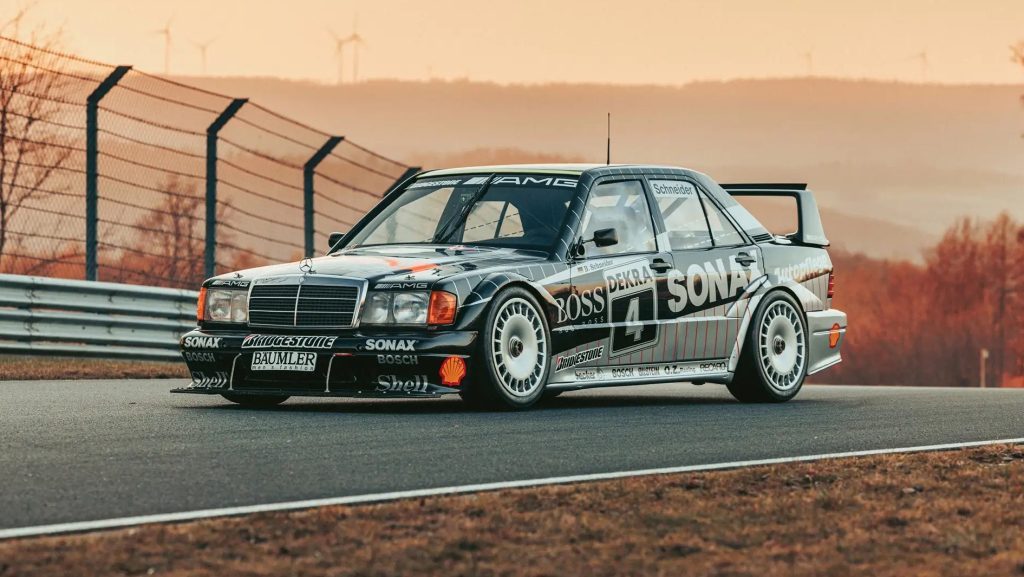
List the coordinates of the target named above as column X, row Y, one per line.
column 379, row 497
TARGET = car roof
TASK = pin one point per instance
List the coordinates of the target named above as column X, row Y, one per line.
column 564, row 168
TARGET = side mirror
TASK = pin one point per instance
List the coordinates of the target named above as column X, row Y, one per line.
column 605, row 237
column 334, row 238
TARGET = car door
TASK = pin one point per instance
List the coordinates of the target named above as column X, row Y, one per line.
column 714, row 265
column 613, row 304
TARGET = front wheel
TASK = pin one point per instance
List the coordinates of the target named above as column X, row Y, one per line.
column 256, row 401
column 516, row 348
column 773, row 363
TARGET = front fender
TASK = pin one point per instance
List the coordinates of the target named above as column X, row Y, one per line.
column 474, row 294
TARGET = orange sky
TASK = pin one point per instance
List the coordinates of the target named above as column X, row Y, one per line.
column 636, row 41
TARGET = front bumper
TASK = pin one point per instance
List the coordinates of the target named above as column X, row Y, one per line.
column 358, row 364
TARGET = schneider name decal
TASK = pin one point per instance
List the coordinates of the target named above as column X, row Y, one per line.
column 569, row 361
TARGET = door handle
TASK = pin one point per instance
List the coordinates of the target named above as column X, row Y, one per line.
column 745, row 259
column 660, row 265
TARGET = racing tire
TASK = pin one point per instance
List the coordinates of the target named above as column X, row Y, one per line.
column 773, row 362
column 256, row 401
column 515, row 346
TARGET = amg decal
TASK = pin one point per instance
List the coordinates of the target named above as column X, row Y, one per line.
column 395, row 384
column 535, row 181
column 287, row 342
column 231, row 283
column 202, row 342
column 401, row 285
column 390, row 345
column 570, row 361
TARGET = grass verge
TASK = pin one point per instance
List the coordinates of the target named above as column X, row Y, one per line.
column 952, row 513
column 18, row 368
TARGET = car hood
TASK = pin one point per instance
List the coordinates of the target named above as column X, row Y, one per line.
column 393, row 263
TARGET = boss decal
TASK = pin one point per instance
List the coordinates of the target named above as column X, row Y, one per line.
column 569, row 361
column 289, row 342
column 390, row 345
column 398, row 360
column 202, row 342
column 396, row 384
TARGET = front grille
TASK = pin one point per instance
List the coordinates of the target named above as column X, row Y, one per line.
column 298, row 303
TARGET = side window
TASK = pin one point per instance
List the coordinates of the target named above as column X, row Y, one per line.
column 679, row 204
column 622, row 206
column 722, row 230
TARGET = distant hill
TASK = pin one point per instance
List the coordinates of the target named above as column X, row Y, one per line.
column 893, row 164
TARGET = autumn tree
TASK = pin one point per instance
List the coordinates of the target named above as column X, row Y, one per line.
column 32, row 149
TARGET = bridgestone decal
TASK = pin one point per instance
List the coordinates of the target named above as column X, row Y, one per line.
column 569, row 361
column 284, row 342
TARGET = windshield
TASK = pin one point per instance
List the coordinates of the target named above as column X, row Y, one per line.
column 511, row 211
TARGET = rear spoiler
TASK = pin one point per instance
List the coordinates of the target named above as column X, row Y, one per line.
column 809, row 229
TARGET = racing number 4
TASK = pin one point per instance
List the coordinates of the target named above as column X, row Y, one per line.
column 634, row 328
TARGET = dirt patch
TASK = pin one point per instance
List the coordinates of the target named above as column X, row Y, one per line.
column 954, row 513
column 15, row 368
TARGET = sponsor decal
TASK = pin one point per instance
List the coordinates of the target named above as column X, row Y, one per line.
column 535, row 181
column 390, row 345
column 398, row 360
column 201, row 380
column 673, row 188
column 715, row 367
column 587, row 374
column 569, row 361
column 283, row 361
column 426, row 183
column 632, row 305
column 272, row 280
column 202, row 342
column 707, row 284
column 452, row 371
column 396, row 384
column 199, row 357
column 231, row 283
column 806, row 269
column 287, row 342
column 584, row 305
column 402, row 285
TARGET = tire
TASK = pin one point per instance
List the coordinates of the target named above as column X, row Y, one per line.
column 256, row 401
column 515, row 344
column 773, row 362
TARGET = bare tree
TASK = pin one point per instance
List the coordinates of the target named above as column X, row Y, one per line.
column 32, row 149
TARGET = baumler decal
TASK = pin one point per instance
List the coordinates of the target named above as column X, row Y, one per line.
column 287, row 342
column 569, row 361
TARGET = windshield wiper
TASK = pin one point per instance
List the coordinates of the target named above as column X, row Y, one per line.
column 449, row 227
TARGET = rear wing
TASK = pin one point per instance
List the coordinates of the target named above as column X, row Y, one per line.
column 809, row 229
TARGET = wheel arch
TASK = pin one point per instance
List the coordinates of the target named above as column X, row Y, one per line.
column 477, row 303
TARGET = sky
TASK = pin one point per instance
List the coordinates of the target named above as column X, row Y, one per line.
column 538, row 41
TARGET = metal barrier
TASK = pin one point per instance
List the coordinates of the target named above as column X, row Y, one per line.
column 47, row 316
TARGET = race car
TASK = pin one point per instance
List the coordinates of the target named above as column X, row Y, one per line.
column 509, row 284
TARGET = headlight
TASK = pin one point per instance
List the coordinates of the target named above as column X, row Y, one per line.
column 396, row 308
column 227, row 306
column 377, row 308
column 410, row 308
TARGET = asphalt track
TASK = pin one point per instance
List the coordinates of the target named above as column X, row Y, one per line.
column 91, row 450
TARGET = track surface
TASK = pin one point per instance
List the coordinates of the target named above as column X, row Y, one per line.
column 89, row 450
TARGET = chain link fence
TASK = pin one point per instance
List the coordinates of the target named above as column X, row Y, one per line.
column 108, row 173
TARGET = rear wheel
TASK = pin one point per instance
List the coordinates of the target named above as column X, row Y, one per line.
column 515, row 344
column 773, row 363
column 256, row 401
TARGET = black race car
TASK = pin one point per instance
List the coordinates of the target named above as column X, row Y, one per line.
column 506, row 284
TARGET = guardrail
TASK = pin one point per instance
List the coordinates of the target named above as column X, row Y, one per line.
column 47, row 316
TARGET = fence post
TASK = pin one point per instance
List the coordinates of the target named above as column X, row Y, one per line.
column 308, row 174
column 92, row 194
column 409, row 172
column 211, row 183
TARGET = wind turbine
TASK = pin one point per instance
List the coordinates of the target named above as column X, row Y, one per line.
column 202, row 47
column 809, row 61
column 339, row 54
column 356, row 41
column 922, row 57
column 166, row 33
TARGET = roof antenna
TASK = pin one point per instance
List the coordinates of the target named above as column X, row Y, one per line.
column 608, row 157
